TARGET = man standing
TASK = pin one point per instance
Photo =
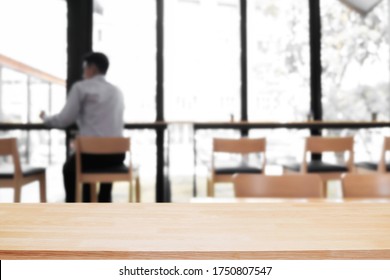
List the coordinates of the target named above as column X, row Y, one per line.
column 97, row 107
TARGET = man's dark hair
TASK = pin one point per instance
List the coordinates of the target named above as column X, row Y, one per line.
column 100, row 60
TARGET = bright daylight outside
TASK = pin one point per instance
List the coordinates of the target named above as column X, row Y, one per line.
column 202, row 76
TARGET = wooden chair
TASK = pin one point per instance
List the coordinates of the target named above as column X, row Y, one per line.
column 366, row 185
column 104, row 146
column 325, row 170
column 382, row 166
column 243, row 146
column 285, row 186
column 17, row 176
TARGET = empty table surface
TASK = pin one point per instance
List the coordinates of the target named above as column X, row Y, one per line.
column 289, row 230
column 287, row 200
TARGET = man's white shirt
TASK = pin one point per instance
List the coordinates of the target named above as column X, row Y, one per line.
column 95, row 105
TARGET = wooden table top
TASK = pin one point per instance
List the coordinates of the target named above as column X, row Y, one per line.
column 286, row 200
column 311, row 230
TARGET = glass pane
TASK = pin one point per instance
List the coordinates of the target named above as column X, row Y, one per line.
column 13, row 96
column 278, row 60
column 126, row 31
column 144, row 157
column 355, row 79
column 355, row 59
column 34, row 32
column 283, row 146
column 32, row 56
column 202, row 60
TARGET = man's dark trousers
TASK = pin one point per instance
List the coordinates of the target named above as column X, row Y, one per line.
column 89, row 162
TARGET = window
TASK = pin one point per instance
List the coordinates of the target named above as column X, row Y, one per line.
column 278, row 60
column 34, row 36
column 355, row 59
column 33, row 72
column 126, row 31
column 356, row 73
column 279, row 73
column 202, row 60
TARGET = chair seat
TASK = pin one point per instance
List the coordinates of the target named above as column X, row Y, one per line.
column 317, row 167
column 371, row 165
column 120, row 169
column 7, row 172
column 242, row 169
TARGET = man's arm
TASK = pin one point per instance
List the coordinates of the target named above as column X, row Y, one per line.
column 69, row 113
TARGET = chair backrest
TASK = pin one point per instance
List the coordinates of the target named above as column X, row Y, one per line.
column 101, row 146
column 285, row 186
column 382, row 162
column 243, row 146
column 239, row 146
column 329, row 144
column 97, row 145
column 319, row 144
column 366, row 185
column 9, row 147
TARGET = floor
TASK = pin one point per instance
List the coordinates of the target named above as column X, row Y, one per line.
column 181, row 188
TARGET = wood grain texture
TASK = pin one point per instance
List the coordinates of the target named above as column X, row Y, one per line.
column 312, row 230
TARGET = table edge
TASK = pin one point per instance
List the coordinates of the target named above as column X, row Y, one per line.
column 383, row 254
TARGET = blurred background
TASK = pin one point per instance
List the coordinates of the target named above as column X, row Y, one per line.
column 202, row 77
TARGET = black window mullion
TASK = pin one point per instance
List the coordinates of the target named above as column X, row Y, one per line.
column 244, row 63
column 315, row 66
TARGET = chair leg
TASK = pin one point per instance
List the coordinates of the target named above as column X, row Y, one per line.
column 17, row 193
column 42, row 188
column 131, row 191
column 137, row 190
column 210, row 188
column 325, row 186
column 78, row 192
column 93, row 192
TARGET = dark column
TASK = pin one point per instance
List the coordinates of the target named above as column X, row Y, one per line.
column 244, row 64
column 160, row 61
column 162, row 179
column 316, row 67
column 80, row 28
